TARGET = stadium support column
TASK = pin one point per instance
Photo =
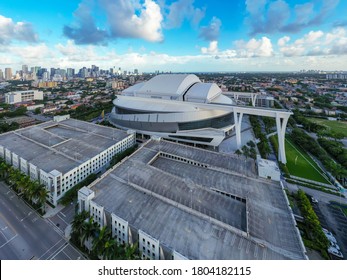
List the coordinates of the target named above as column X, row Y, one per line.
column 254, row 98
column 281, row 122
column 238, row 120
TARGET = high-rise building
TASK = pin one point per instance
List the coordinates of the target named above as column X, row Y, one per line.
column 25, row 69
column 1, row 75
column 45, row 76
column 36, row 69
column 8, row 73
column 136, row 71
column 70, row 73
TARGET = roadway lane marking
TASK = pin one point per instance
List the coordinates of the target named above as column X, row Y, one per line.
column 66, row 255
column 63, row 214
column 9, row 240
column 58, row 251
column 62, row 220
column 55, row 228
column 3, row 235
column 60, row 240
column 26, row 216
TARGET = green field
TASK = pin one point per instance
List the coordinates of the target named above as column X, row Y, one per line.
column 300, row 164
column 334, row 126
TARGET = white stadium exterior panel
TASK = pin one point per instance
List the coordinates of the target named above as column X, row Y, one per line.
column 174, row 106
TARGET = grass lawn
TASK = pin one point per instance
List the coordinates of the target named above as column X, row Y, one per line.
column 335, row 126
column 301, row 165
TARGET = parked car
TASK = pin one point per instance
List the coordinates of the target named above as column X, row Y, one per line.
column 334, row 244
column 314, row 200
column 335, row 252
column 329, row 235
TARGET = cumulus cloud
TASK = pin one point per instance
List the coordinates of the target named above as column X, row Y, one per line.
column 243, row 49
column 211, row 32
column 126, row 19
column 181, row 10
column 283, row 41
column 316, row 43
column 269, row 17
column 76, row 53
column 255, row 48
column 20, row 31
column 130, row 19
column 310, row 38
column 212, row 48
column 85, row 30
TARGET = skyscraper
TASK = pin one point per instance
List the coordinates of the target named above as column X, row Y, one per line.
column 1, row 75
column 25, row 69
column 8, row 73
column 70, row 72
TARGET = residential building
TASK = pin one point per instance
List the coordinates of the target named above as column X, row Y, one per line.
column 23, row 96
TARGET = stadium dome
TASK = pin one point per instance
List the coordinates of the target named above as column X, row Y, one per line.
column 175, row 106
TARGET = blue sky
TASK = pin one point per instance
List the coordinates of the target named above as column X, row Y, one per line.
column 178, row 35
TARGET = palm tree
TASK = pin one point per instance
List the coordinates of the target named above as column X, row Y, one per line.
column 112, row 250
column 131, row 252
column 78, row 222
column 14, row 177
column 5, row 169
column 89, row 230
column 24, row 186
column 42, row 197
column 100, row 241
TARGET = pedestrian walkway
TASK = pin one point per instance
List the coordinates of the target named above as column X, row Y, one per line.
column 50, row 211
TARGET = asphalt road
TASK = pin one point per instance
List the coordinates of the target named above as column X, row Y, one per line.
column 25, row 235
column 321, row 196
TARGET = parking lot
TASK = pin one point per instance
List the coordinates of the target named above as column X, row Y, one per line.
column 335, row 221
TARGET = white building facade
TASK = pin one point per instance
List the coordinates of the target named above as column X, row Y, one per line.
column 169, row 106
column 23, row 96
column 51, row 170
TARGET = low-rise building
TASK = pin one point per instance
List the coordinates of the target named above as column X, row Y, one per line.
column 23, row 96
column 62, row 153
column 180, row 202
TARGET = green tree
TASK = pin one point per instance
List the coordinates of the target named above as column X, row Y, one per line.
column 89, row 230
column 100, row 242
column 77, row 225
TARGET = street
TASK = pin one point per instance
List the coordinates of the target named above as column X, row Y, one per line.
column 25, row 235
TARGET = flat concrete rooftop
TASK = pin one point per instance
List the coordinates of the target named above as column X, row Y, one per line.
column 219, row 210
column 61, row 145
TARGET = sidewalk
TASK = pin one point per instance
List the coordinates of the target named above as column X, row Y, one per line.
column 50, row 211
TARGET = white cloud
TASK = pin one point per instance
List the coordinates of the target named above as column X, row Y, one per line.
column 255, row 48
column 310, row 38
column 211, row 32
column 20, row 31
column 130, row 19
column 125, row 19
column 32, row 53
column 283, row 41
column 335, row 34
column 212, row 48
column 182, row 10
column 316, row 43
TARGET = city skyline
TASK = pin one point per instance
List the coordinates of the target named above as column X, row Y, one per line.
column 178, row 36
